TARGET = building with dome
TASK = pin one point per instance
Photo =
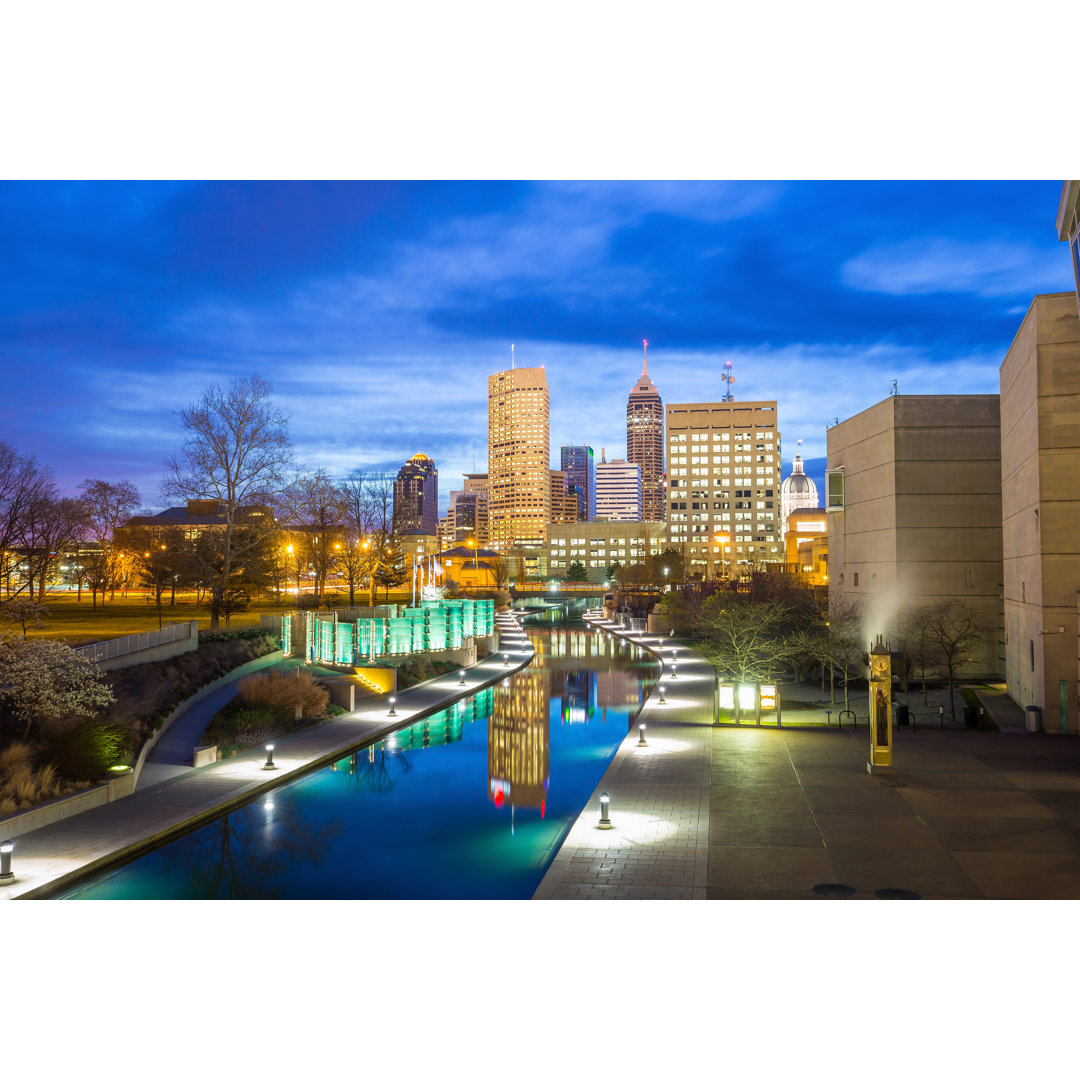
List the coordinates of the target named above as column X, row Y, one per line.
column 416, row 496
column 797, row 492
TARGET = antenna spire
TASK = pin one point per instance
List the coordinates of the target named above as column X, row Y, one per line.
column 646, row 345
column 513, row 363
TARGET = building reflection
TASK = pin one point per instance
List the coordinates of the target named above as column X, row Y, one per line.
column 519, row 747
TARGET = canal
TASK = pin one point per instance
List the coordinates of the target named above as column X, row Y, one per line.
column 470, row 803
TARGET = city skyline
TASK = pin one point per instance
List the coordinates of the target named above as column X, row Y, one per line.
column 377, row 310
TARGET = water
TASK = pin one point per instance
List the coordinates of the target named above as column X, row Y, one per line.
column 469, row 803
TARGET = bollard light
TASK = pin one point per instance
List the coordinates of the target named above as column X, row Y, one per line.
column 674, row 671
column 461, row 679
column 270, row 757
column 641, row 735
column 605, row 821
column 392, row 712
column 506, row 659
column 6, row 876
column 663, row 700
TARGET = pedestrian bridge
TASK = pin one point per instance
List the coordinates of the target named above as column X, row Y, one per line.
column 558, row 590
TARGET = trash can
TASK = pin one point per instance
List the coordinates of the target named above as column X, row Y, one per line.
column 1034, row 718
column 971, row 716
column 903, row 715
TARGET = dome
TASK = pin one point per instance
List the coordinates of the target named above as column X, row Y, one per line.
column 797, row 492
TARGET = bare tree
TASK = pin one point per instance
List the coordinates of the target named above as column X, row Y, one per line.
column 368, row 500
column 22, row 481
column 108, row 506
column 319, row 510
column 954, row 627
column 921, row 654
column 844, row 647
column 236, row 452
column 51, row 523
column 744, row 640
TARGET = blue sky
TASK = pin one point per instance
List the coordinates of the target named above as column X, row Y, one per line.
column 377, row 310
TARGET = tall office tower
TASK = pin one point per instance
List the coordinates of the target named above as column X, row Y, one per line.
column 564, row 500
column 519, row 472
column 467, row 517
column 416, row 496
column 618, row 490
column 797, row 492
column 579, row 464
column 645, row 442
column 724, row 486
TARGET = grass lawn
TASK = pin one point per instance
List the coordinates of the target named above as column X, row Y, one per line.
column 78, row 623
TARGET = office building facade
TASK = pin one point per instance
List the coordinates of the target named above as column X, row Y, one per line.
column 618, row 490
column 724, row 486
column 519, row 472
column 579, row 464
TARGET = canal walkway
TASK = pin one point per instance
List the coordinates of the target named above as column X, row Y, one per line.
column 54, row 855
column 746, row 812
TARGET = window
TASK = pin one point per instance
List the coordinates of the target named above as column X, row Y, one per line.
column 855, row 578
column 834, row 489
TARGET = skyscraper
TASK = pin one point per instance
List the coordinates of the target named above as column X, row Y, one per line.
column 645, row 442
column 416, row 496
column 519, row 473
column 579, row 464
column 618, row 490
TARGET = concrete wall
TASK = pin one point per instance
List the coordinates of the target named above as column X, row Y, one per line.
column 922, row 514
column 67, row 806
column 133, row 652
column 1040, row 459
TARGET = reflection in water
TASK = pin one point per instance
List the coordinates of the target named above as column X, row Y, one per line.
column 470, row 802
column 254, row 847
column 518, row 747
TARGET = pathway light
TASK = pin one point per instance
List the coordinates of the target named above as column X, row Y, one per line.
column 605, row 821
column 6, row 876
column 270, row 757
column 392, row 711
column 641, row 735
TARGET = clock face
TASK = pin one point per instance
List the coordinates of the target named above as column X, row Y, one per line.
column 880, row 664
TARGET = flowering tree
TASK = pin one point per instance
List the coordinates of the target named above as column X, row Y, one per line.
column 48, row 682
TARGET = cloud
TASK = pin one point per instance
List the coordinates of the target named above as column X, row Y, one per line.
column 988, row 268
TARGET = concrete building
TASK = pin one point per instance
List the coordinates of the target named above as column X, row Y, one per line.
column 724, row 486
column 914, row 503
column 579, row 464
column 645, row 442
column 1068, row 226
column 618, row 490
column 416, row 496
column 564, row 499
column 598, row 544
column 1040, row 497
column 519, row 471
column 797, row 492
